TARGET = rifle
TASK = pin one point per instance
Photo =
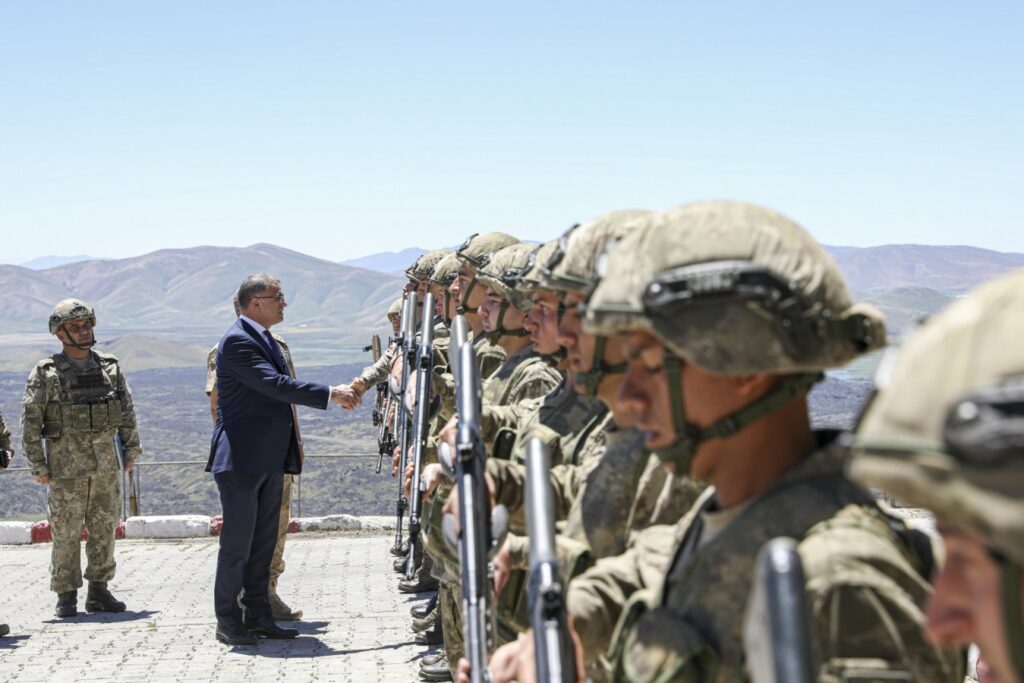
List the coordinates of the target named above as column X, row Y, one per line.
column 554, row 655
column 402, row 414
column 421, row 428
column 483, row 530
column 385, row 434
column 374, row 348
column 777, row 630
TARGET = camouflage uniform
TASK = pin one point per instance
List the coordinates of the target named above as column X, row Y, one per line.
column 285, row 517
column 712, row 282
column 944, row 432
column 381, row 368
column 79, row 413
column 5, row 436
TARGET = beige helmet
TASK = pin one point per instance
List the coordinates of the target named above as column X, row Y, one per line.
column 573, row 265
column 536, row 264
column 477, row 251
column 444, row 274
column 395, row 309
column 424, row 266
column 500, row 274
column 945, row 430
column 68, row 310
column 735, row 289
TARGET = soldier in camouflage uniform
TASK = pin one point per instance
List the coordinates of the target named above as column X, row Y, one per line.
column 372, row 375
column 278, row 607
column 730, row 313
column 8, row 451
column 945, row 432
column 79, row 402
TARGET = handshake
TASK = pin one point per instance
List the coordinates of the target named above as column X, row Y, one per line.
column 347, row 396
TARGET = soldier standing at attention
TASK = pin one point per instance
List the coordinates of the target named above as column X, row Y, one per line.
column 78, row 401
column 5, row 459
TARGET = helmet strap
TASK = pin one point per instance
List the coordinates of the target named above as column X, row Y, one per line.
column 74, row 344
column 590, row 380
column 499, row 329
column 462, row 308
column 690, row 436
column 1013, row 612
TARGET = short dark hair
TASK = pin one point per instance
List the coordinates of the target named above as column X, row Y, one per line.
column 254, row 285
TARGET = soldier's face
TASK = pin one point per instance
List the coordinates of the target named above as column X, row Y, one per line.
column 542, row 321
column 76, row 332
column 396, row 324
column 643, row 398
column 580, row 347
column 466, row 275
column 966, row 605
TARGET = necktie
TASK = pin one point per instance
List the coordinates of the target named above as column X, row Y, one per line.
column 275, row 350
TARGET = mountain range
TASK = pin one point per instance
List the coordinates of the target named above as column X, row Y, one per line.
column 166, row 308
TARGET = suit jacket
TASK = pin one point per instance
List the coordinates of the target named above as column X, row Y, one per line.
column 256, row 429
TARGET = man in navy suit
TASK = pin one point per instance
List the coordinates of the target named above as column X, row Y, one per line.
column 255, row 442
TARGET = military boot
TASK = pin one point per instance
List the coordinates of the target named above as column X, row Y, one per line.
column 100, row 599
column 430, row 660
column 438, row 671
column 421, row 582
column 423, row 609
column 399, row 564
column 67, row 604
column 400, row 550
column 280, row 610
column 423, row 623
column 432, row 635
column 4, row 630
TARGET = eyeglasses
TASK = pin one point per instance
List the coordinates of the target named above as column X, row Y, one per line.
column 279, row 296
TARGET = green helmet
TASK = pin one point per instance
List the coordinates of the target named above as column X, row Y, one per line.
column 68, row 310
column 734, row 289
column 395, row 309
column 500, row 274
column 477, row 251
column 573, row 265
column 424, row 266
column 945, row 430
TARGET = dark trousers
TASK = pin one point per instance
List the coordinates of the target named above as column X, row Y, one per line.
column 251, row 504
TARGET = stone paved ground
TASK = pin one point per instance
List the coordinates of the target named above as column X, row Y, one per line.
column 355, row 626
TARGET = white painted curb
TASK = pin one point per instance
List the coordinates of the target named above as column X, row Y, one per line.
column 170, row 526
column 15, row 533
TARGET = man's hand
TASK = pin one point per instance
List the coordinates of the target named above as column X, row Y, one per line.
column 452, row 504
column 345, row 396
column 504, row 664
column 448, row 433
column 43, row 479
column 129, row 464
column 502, row 564
column 430, row 476
column 396, row 460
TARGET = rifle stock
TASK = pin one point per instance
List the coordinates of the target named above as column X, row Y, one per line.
column 554, row 655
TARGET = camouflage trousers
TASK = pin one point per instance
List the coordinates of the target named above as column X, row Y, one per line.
column 277, row 561
column 96, row 501
column 449, row 602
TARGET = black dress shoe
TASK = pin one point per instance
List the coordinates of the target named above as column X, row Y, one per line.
column 235, row 634
column 266, row 628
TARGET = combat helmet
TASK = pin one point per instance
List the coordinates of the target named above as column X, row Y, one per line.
column 476, row 252
column 395, row 309
column 500, row 274
column 68, row 310
column 735, row 289
column 444, row 274
column 421, row 270
column 945, row 430
column 572, row 267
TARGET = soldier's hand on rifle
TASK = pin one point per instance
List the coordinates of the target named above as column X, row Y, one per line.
column 129, row 464
column 502, row 564
column 452, row 504
column 396, row 459
column 430, row 476
column 504, row 666
column 407, row 480
column 448, row 432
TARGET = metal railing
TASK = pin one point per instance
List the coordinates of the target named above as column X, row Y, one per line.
column 145, row 464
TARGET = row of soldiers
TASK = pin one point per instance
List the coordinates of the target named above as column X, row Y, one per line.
column 664, row 360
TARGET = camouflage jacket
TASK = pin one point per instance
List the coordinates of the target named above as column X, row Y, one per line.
column 524, row 375
column 78, row 414
column 373, row 375
column 5, row 436
column 863, row 575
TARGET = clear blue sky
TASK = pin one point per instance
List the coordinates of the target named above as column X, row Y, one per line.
column 346, row 128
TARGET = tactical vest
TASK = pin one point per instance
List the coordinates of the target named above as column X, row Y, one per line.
column 88, row 401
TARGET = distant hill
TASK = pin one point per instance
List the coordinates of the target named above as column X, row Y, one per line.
column 392, row 262
column 44, row 262
column 949, row 270
column 192, row 288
